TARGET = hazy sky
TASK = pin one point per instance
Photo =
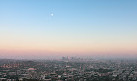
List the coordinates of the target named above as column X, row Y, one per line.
column 42, row 28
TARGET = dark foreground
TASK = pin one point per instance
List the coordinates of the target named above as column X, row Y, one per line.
column 68, row 70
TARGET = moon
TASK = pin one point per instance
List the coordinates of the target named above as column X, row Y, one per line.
column 52, row 14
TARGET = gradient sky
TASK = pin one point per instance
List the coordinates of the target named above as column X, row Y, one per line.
column 46, row 28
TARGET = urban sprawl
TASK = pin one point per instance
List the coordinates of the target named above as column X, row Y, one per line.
column 68, row 69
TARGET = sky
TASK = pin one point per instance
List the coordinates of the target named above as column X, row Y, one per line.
column 42, row 29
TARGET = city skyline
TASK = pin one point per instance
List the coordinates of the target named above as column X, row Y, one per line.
column 56, row 28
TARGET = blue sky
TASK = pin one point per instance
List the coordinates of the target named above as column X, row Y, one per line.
column 89, row 14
